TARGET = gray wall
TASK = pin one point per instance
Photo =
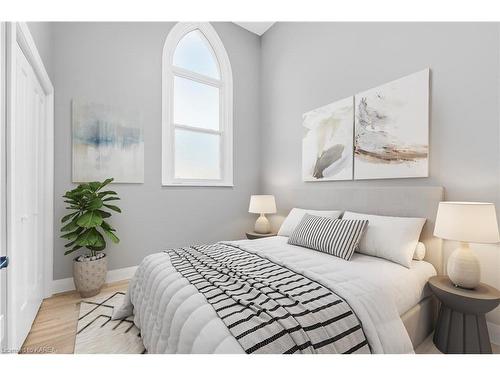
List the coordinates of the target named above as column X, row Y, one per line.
column 120, row 64
column 307, row 65
column 42, row 35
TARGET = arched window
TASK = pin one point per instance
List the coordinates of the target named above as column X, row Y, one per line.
column 197, row 108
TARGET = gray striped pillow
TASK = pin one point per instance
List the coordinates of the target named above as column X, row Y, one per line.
column 337, row 237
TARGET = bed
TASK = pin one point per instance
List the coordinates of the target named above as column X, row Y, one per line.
column 391, row 303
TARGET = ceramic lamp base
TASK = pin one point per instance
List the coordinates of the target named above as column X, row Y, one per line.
column 463, row 267
column 262, row 225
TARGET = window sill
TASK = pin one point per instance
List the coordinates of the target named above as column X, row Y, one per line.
column 194, row 184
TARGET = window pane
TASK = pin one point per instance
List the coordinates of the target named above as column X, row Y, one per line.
column 196, row 104
column 197, row 155
column 195, row 53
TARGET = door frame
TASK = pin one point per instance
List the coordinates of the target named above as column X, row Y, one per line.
column 18, row 32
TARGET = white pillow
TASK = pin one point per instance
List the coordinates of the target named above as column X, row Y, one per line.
column 295, row 216
column 419, row 253
column 389, row 237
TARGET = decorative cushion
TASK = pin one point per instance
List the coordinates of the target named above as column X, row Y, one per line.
column 389, row 237
column 333, row 236
column 295, row 216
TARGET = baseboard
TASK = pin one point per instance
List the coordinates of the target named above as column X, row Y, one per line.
column 494, row 331
column 66, row 285
column 62, row 285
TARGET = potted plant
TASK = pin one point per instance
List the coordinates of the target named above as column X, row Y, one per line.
column 85, row 228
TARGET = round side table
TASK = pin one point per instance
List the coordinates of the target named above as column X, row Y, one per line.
column 461, row 325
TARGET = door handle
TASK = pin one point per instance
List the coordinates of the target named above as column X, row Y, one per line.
column 4, row 262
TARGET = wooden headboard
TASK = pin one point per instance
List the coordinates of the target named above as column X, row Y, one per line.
column 392, row 201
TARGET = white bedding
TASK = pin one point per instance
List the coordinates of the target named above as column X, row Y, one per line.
column 406, row 286
column 175, row 318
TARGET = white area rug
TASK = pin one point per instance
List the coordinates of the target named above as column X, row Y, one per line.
column 96, row 333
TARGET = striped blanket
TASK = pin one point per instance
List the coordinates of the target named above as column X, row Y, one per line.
column 267, row 307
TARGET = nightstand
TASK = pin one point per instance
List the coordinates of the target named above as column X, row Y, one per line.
column 461, row 325
column 255, row 235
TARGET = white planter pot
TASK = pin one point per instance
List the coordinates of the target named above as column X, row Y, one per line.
column 89, row 277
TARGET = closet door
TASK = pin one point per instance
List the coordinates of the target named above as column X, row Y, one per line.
column 26, row 257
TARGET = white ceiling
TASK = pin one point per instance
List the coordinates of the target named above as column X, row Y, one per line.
column 258, row 28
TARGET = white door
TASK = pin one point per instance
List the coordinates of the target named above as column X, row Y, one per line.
column 26, row 162
column 3, row 244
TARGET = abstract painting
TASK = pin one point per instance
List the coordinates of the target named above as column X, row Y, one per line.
column 391, row 137
column 327, row 145
column 107, row 142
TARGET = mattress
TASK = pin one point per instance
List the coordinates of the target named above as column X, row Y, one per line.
column 406, row 286
column 175, row 318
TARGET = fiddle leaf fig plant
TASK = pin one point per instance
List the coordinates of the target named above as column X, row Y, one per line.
column 85, row 226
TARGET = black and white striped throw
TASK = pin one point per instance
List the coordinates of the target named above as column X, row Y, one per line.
column 267, row 307
column 337, row 237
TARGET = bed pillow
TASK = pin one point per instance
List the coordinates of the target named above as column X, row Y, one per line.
column 332, row 236
column 419, row 253
column 295, row 216
column 389, row 237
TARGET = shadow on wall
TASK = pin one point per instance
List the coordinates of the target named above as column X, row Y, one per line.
column 276, row 221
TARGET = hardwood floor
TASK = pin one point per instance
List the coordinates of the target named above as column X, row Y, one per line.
column 54, row 329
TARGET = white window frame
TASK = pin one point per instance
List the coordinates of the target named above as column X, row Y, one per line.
column 225, row 85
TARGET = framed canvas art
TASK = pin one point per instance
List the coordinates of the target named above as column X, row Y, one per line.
column 327, row 146
column 107, row 142
column 391, row 137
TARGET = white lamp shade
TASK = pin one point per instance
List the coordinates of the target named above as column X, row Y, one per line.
column 467, row 222
column 262, row 204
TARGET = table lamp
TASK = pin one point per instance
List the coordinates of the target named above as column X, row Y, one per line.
column 262, row 204
column 466, row 222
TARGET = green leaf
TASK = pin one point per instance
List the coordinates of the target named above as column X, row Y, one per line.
column 70, row 226
column 94, row 186
column 69, row 216
column 72, row 235
column 77, row 194
column 71, row 250
column 106, row 226
column 94, row 204
column 87, row 238
column 111, row 235
column 97, row 248
column 107, row 192
column 104, row 214
column 90, row 219
column 100, row 241
column 69, row 244
column 111, row 199
column 91, row 238
column 105, row 182
column 111, row 207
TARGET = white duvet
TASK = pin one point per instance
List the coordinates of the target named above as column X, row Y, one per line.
column 175, row 318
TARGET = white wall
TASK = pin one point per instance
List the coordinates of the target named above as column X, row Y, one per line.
column 307, row 65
